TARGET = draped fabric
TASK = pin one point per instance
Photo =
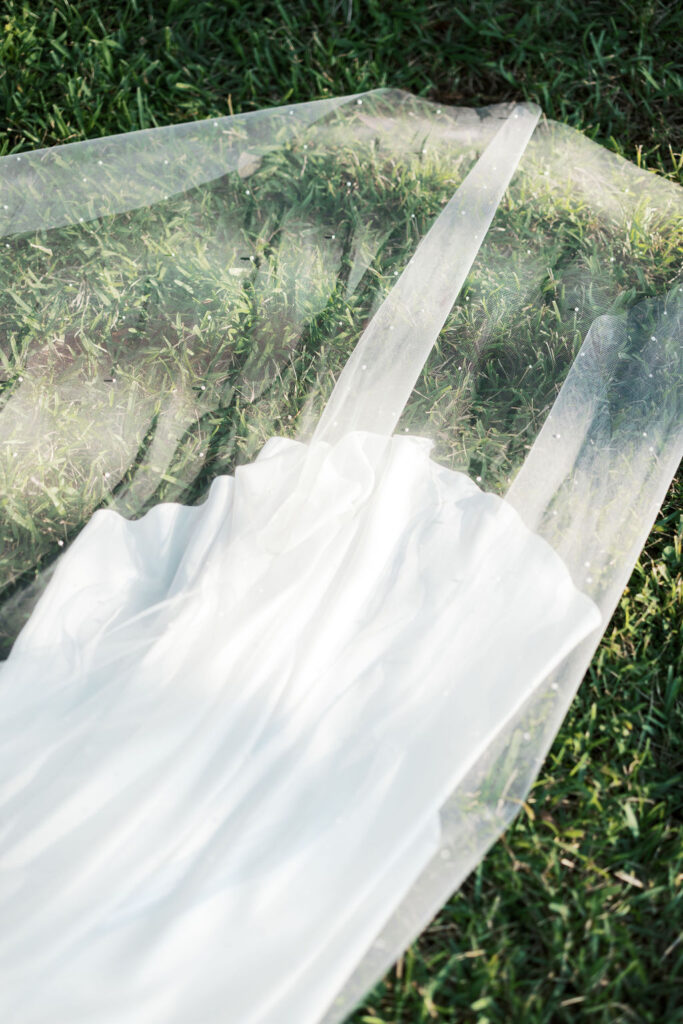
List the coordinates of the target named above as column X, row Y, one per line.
column 328, row 438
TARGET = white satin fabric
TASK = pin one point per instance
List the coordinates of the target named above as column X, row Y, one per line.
column 227, row 730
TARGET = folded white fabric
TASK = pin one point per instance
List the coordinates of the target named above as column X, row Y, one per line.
column 248, row 747
column 227, row 729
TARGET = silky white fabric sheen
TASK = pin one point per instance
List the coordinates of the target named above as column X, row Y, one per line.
column 228, row 729
column 248, row 747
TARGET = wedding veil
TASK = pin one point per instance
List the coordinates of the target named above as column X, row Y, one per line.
column 228, row 348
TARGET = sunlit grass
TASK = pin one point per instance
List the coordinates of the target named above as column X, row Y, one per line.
column 576, row 913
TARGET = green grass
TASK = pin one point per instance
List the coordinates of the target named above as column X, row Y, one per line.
column 577, row 913
column 77, row 70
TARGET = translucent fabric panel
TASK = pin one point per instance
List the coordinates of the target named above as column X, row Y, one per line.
column 412, row 375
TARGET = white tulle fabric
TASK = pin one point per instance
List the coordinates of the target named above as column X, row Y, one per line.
column 248, row 747
column 222, row 779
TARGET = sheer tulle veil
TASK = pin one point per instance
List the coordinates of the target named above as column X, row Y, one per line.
column 329, row 436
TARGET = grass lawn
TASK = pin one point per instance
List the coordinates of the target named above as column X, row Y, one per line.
column 577, row 912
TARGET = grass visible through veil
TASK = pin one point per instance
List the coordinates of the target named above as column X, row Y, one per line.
column 577, row 912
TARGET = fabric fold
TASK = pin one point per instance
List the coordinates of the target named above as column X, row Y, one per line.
column 263, row 711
